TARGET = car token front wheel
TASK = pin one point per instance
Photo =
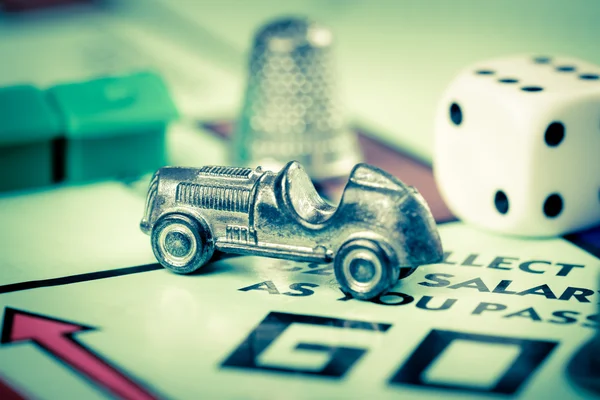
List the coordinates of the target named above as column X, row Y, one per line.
column 181, row 244
column 364, row 269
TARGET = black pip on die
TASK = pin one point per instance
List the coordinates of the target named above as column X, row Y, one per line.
column 517, row 145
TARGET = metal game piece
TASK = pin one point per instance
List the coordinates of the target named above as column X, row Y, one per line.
column 291, row 110
column 380, row 232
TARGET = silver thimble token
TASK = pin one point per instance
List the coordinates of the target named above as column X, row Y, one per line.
column 291, row 110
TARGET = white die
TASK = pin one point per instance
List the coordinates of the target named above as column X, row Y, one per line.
column 517, row 145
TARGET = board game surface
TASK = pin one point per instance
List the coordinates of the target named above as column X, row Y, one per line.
column 88, row 313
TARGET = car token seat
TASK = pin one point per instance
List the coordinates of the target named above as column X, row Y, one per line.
column 300, row 193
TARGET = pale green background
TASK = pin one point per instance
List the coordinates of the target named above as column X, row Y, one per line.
column 395, row 57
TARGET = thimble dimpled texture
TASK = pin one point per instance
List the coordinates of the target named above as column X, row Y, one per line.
column 290, row 110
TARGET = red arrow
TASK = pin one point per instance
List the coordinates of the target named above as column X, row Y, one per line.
column 56, row 337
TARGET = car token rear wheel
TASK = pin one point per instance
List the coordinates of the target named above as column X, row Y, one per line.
column 364, row 269
column 181, row 244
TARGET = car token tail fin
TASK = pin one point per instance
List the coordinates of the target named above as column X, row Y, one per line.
column 370, row 176
column 423, row 242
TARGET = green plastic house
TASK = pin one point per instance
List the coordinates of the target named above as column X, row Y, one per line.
column 114, row 127
column 28, row 129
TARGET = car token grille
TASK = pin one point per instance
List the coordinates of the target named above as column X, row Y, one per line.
column 213, row 197
column 215, row 170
